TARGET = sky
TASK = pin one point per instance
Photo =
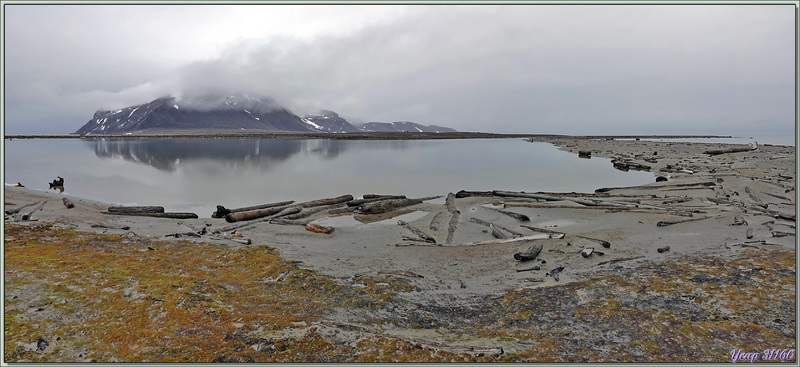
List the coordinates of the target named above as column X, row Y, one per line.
column 534, row 68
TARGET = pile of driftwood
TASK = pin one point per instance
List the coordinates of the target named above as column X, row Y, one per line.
column 303, row 214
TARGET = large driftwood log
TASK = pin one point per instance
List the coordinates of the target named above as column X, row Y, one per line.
column 284, row 211
column 222, row 211
column 452, row 225
column 257, row 213
column 330, row 201
column 135, row 209
column 648, row 187
column 382, row 206
column 538, row 236
column 582, row 201
column 465, row 194
column 490, row 224
column 426, row 237
column 173, row 215
column 450, row 203
column 365, row 200
column 752, row 146
column 530, row 254
column 260, row 213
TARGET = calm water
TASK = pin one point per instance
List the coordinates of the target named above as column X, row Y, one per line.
column 195, row 175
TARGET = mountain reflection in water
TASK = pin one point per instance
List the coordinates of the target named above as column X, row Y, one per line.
column 167, row 154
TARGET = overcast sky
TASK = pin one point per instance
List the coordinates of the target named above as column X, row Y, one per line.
column 570, row 69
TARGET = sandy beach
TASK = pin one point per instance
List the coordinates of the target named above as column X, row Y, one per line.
column 713, row 213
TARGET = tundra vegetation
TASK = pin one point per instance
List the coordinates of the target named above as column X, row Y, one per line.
column 73, row 296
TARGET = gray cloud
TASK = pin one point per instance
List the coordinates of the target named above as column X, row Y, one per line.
column 572, row 69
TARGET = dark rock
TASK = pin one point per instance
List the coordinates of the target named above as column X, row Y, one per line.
column 42, row 344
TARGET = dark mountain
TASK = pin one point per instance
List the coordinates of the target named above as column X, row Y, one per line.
column 329, row 121
column 210, row 111
column 402, row 126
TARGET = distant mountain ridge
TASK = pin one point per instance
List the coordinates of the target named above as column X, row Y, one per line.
column 330, row 121
column 401, row 126
column 237, row 111
column 230, row 112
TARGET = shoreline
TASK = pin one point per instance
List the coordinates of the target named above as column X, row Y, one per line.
column 352, row 136
column 689, row 217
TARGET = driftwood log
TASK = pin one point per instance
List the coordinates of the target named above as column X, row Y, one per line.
column 752, row 146
column 222, row 211
column 497, row 233
column 437, row 221
column 67, row 203
column 530, row 254
column 289, row 222
column 539, row 236
column 490, row 225
column 307, row 212
column 257, row 213
column 426, row 237
column 753, row 197
column 284, row 211
column 517, row 216
column 626, row 166
column 135, row 209
column 331, row 201
column 452, row 225
column 382, row 206
column 401, row 272
column 648, row 187
column 665, row 223
column 582, row 201
column 17, row 210
column 173, row 215
column 27, row 216
column 541, row 230
column 366, row 200
column 110, row 226
column 318, row 228
column 603, row 243
column 450, row 203
column 465, row 194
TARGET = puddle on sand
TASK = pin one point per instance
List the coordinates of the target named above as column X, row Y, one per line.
column 350, row 221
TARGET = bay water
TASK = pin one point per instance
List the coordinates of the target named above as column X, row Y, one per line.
column 196, row 174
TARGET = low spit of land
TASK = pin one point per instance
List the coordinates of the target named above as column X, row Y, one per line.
column 683, row 270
